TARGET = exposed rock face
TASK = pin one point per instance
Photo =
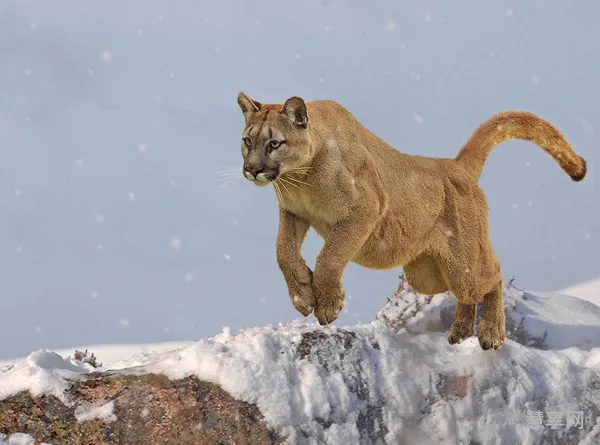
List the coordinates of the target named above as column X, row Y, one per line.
column 148, row 409
column 342, row 353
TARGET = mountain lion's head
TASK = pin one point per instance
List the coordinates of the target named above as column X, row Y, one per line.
column 275, row 139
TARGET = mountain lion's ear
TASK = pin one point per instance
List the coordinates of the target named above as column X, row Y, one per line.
column 295, row 109
column 248, row 105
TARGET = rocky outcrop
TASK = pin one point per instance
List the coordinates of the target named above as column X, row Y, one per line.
column 395, row 381
column 145, row 409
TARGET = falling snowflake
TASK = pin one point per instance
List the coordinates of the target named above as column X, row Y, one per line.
column 553, row 257
column 403, row 46
column 18, row 192
column 28, row 72
column 100, row 246
column 320, row 80
column 587, row 236
column 515, row 206
column 99, row 218
column 418, row 119
column 142, row 148
column 235, row 222
column 131, row 196
column 509, row 12
column 262, row 299
column 145, row 412
column 166, row 329
column 139, row 32
column 124, row 322
column 332, row 143
column 390, row 25
column 428, row 17
column 216, row 49
column 90, row 71
column 189, row 277
column 79, row 163
column 33, row 26
column 534, row 78
column 527, row 164
column 298, row 56
column 327, row 29
column 94, row 294
column 258, row 22
column 172, row 75
column 492, row 54
column 38, row 329
column 415, row 75
column 19, row 249
column 173, row 183
column 227, row 257
column 106, row 56
column 175, row 243
column 529, row 203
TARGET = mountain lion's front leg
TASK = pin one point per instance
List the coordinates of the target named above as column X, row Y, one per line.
column 342, row 244
column 298, row 276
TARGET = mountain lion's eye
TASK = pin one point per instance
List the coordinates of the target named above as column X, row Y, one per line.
column 247, row 141
column 275, row 144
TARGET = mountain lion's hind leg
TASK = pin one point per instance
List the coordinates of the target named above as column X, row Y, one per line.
column 462, row 328
column 491, row 329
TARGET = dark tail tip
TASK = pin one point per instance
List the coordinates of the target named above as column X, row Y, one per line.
column 581, row 174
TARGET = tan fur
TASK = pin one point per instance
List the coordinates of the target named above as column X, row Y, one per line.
column 383, row 209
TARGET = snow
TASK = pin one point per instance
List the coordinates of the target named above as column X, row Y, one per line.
column 399, row 368
column 589, row 290
column 42, row 372
column 90, row 412
column 19, row 439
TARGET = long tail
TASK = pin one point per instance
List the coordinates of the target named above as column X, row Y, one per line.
column 520, row 125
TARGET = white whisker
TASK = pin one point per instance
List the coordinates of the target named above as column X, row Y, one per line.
column 291, row 183
column 291, row 178
column 286, row 189
column 230, row 181
column 277, row 191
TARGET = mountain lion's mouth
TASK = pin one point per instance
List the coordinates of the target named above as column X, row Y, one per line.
column 262, row 178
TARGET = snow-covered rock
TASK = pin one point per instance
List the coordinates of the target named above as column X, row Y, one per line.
column 395, row 380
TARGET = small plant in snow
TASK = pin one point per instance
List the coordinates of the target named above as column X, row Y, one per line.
column 84, row 357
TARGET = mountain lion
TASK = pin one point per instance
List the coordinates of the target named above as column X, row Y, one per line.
column 383, row 209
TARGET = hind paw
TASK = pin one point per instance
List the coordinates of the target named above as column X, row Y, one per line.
column 490, row 335
column 459, row 332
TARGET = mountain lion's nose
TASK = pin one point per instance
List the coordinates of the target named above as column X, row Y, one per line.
column 253, row 170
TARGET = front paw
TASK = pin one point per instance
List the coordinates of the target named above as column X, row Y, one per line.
column 303, row 299
column 301, row 292
column 330, row 302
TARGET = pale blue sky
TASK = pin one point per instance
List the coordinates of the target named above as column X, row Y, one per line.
column 114, row 115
